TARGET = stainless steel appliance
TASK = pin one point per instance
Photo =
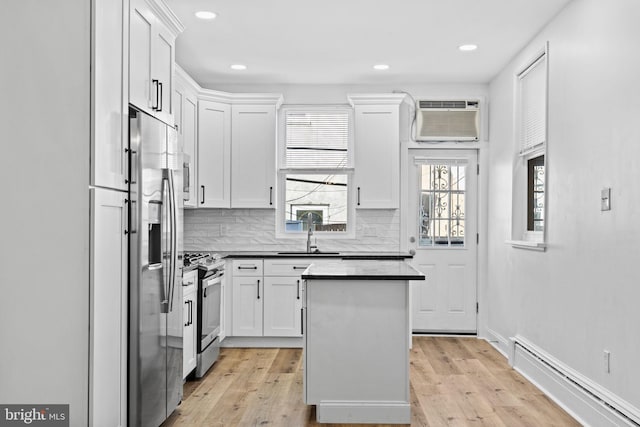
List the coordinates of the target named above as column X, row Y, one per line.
column 210, row 279
column 155, row 271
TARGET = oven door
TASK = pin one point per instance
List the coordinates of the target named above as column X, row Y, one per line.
column 210, row 303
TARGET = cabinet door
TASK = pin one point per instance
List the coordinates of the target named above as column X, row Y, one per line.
column 189, row 128
column 141, row 34
column 189, row 335
column 247, row 306
column 253, row 165
column 214, row 155
column 162, row 56
column 108, row 157
column 108, row 345
column 282, row 305
column 377, row 156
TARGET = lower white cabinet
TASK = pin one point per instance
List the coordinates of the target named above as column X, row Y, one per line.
column 248, row 294
column 189, row 312
column 108, row 333
column 281, row 307
column 269, row 303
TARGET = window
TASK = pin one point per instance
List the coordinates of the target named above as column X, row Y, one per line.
column 315, row 169
column 529, row 207
column 535, row 194
column 442, row 204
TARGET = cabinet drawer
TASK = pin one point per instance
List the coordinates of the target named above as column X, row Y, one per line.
column 285, row 267
column 247, row 267
column 190, row 278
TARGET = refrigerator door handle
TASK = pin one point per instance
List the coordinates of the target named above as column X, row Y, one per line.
column 174, row 238
column 164, row 303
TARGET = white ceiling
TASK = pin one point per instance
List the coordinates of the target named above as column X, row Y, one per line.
column 338, row 41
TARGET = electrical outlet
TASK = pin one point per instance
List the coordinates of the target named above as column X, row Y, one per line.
column 607, row 361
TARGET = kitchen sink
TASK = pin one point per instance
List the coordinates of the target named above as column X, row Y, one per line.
column 305, row 253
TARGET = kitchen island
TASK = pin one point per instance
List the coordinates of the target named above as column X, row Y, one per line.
column 356, row 340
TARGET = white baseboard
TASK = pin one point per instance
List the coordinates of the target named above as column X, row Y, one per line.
column 363, row 412
column 587, row 402
column 262, row 342
column 499, row 342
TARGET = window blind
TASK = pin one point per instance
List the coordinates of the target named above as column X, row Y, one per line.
column 317, row 140
column 533, row 105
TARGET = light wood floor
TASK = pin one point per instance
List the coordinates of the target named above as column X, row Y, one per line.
column 454, row 382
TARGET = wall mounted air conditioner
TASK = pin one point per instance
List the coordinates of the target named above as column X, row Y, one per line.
column 447, row 120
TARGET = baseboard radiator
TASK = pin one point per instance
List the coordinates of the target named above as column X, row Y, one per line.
column 587, row 402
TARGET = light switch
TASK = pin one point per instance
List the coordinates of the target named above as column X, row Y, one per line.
column 605, row 199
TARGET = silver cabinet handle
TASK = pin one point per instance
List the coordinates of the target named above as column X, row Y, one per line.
column 298, row 289
column 258, row 289
column 270, row 196
column 358, row 196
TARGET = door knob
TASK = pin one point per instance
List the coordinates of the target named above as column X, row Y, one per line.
column 412, row 252
column 412, row 239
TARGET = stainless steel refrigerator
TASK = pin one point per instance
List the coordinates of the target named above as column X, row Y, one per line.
column 155, row 271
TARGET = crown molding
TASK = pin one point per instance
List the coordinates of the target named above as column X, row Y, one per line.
column 376, row 98
column 184, row 79
column 166, row 15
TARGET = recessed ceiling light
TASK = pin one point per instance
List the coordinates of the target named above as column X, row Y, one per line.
column 381, row 67
column 238, row 67
column 205, row 14
column 467, row 47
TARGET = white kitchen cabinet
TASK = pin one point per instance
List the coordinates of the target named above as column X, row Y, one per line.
column 282, row 306
column 248, row 294
column 214, row 155
column 377, row 150
column 189, row 310
column 152, row 31
column 109, row 136
column 186, row 119
column 253, row 167
column 108, row 308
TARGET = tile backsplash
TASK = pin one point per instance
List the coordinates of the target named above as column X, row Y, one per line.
column 227, row 230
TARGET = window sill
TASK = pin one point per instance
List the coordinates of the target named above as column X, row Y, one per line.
column 527, row 244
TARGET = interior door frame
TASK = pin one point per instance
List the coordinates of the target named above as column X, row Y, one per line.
column 481, row 218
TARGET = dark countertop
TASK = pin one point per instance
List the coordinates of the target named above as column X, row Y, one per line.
column 363, row 270
column 321, row 254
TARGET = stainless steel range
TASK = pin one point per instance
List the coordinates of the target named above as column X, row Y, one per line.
column 210, row 277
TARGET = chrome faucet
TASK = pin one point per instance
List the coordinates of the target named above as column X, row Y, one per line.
column 310, row 233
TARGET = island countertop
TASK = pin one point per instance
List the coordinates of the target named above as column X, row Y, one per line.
column 362, row 270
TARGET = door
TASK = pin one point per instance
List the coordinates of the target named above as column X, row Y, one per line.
column 442, row 228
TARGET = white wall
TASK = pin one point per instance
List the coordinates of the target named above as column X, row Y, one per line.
column 44, row 215
column 579, row 297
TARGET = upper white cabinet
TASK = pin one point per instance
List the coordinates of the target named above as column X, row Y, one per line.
column 109, row 139
column 186, row 119
column 152, row 30
column 377, row 150
column 253, row 167
column 214, row 155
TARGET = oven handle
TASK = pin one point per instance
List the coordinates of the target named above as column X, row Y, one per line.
column 210, row 282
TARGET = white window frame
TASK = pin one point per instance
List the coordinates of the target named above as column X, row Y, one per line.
column 521, row 237
column 283, row 171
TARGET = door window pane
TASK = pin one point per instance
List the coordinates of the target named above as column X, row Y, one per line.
column 442, row 205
